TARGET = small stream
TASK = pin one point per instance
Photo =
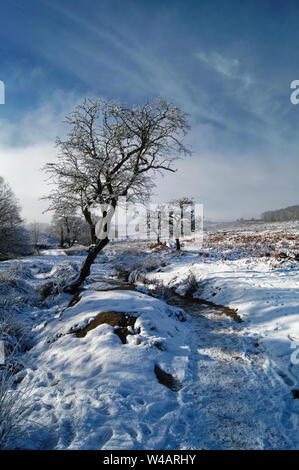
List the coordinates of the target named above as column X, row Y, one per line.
column 188, row 304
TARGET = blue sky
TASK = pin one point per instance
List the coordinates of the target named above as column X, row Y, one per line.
column 228, row 63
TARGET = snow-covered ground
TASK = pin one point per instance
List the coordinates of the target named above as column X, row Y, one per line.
column 127, row 367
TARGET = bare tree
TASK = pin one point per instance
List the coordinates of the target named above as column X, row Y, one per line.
column 288, row 213
column 113, row 151
column 69, row 229
column 158, row 221
column 13, row 239
column 34, row 229
column 67, row 198
column 181, row 218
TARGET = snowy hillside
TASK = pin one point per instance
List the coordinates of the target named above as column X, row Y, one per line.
column 161, row 349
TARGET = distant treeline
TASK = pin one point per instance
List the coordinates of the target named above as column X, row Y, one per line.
column 289, row 213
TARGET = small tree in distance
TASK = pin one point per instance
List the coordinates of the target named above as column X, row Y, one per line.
column 113, row 151
column 182, row 218
column 34, row 228
column 13, row 238
column 69, row 229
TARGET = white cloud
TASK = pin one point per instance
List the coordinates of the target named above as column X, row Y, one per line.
column 20, row 167
column 42, row 124
column 232, row 187
column 221, row 64
column 228, row 184
column 225, row 66
column 27, row 145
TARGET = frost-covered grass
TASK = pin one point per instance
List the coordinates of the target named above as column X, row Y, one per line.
column 15, row 407
column 276, row 240
column 15, row 286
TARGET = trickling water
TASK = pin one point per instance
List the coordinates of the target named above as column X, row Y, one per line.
column 200, row 306
column 188, row 304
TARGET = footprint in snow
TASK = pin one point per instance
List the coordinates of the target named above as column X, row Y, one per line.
column 67, row 433
column 105, row 434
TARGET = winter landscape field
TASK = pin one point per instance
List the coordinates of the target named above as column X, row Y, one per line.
column 149, row 232
column 160, row 349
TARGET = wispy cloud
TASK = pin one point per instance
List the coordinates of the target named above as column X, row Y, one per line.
column 40, row 124
column 226, row 66
column 27, row 144
column 240, row 119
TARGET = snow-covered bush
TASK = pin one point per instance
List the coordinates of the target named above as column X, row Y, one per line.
column 12, row 332
column 16, row 288
column 133, row 268
column 56, row 280
column 16, row 293
column 21, row 270
column 187, row 286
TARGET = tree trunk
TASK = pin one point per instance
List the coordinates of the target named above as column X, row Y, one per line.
column 85, row 270
column 93, row 237
column 68, row 240
column 61, row 238
column 178, row 245
column 92, row 232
